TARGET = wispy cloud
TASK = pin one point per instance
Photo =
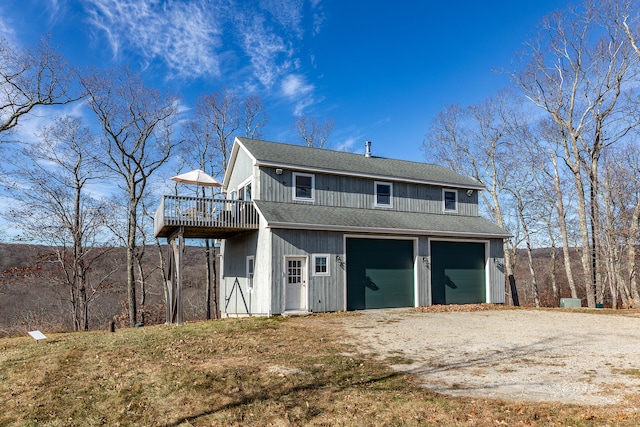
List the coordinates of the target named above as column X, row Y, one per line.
column 287, row 13
column 200, row 38
column 31, row 125
column 348, row 144
column 318, row 16
column 269, row 54
column 299, row 91
column 184, row 35
column 294, row 86
column 56, row 10
column 6, row 31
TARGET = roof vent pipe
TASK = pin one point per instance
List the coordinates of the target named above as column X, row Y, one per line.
column 367, row 146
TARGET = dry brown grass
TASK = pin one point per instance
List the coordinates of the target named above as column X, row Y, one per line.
column 451, row 308
column 253, row 371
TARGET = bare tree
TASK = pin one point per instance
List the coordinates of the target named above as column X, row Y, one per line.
column 314, row 132
column 31, row 77
column 137, row 125
column 549, row 171
column 581, row 72
column 53, row 206
column 477, row 141
column 218, row 117
column 632, row 171
column 619, row 222
column 526, row 190
column 254, row 117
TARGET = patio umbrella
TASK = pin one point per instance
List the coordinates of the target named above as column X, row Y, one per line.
column 197, row 177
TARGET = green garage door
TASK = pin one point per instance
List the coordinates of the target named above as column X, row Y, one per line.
column 379, row 273
column 457, row 273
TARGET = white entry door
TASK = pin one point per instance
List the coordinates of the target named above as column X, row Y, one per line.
column 296, row 283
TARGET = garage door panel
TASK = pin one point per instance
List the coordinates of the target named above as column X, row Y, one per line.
column 464, row 286
column 389, row 288
column 458, row 273
column 379, row 273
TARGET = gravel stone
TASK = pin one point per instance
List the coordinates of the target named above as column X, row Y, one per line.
column 520, row 354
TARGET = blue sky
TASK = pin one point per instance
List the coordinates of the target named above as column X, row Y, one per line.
column 380, row 70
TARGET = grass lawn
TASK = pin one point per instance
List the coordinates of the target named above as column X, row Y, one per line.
column 255, row 371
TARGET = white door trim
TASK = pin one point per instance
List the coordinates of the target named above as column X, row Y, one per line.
column 304, row 290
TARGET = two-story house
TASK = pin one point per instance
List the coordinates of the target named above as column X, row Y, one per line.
column 342, row 231
column 306, row 229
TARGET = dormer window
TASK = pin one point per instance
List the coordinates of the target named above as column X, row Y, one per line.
column 383, row 194
column 303, row 187
column 450, row 200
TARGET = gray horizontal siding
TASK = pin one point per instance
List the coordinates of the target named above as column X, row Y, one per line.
column 242, row 169
column 324, row 293
column 353, row 192
column 235, row 252
column 424, row 272
column 496, row 271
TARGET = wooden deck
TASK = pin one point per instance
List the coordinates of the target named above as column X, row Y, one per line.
column 204, row 217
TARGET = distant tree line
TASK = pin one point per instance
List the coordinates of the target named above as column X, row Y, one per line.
column 558, row 150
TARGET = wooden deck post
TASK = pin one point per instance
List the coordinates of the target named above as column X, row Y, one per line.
column 174, row 281
column 179, row 258
column 170, row 284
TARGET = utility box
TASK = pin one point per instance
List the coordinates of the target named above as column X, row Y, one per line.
column 570, row 303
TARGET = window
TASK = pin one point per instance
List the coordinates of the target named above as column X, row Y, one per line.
column 303, row 186
column 450, row 199
column 321, row 265
column 244, row 192
column 383, row 194
column 250, row 267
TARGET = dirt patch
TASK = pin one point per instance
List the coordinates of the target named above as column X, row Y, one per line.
column 531, row 355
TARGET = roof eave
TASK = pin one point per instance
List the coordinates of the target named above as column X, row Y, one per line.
column 237, row 145
column 365, row 175
column 378, row 230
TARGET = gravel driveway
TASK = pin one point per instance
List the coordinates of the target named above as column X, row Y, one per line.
column 533, row 355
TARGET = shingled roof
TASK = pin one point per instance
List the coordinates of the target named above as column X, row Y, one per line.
column 298, row 157
column 330, row 218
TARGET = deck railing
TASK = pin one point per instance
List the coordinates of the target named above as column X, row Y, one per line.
column 205, row 212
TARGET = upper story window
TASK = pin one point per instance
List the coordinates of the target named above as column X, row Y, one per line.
column 303, row 186
column 383, row 194
column 244, row 192
column 450, row 200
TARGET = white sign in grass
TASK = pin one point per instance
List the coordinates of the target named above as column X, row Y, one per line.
column 37, row 335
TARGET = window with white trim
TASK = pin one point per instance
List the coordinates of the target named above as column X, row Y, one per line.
column 450, row 200
column 303, row 186
column 244, row 192
column 250, row 268
column 383, row 193
column 320, row 264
